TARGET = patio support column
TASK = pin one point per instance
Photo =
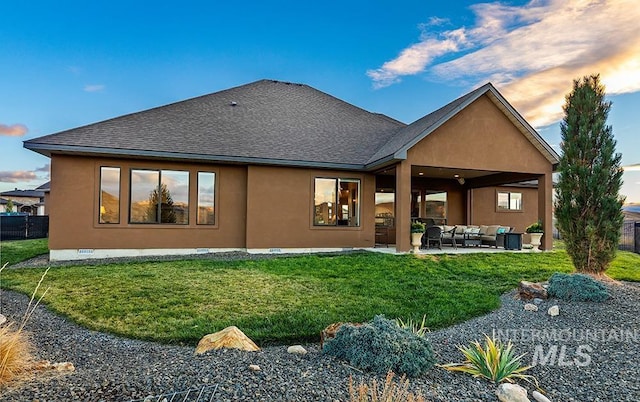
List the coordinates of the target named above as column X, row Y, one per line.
column 403, row 206
column 545, row 208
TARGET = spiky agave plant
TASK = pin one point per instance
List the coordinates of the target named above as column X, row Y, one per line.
column 495, row 361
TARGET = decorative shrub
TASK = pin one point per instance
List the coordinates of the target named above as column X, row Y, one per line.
column 577, row 287
column 417, row 227
column 380, row 346
column 535, row 228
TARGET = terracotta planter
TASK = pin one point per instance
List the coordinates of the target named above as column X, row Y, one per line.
column 416, row 241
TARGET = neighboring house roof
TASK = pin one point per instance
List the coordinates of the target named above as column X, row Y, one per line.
column 44, row 187
column 23, row 193
column 269, row 122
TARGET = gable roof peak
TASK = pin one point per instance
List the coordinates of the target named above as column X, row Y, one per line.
column 398, row 145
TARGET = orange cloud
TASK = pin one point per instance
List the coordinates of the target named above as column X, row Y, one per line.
column 532, row 53
column 16, row 130
column 17, row 176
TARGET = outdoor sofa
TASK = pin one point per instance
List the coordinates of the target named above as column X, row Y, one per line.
column 475, row 235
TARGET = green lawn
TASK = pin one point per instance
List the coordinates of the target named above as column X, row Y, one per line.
column 288, row 299
column 20, row 250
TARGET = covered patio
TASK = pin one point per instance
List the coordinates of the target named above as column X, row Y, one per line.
column 474, row 162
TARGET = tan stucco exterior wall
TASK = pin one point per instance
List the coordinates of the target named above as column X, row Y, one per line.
column 74, row 210
column 479, row 137
column 280, row 210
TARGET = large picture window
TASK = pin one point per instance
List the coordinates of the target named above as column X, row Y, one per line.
column 109, row 195
column 206, row 198
column 159, row 196
column 508, row 201
column 336, row 202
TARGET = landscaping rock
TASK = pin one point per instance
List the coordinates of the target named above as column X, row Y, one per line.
column 539, row 397
column 47, row 365
column 511, row 393
column 3, row 319
column 254, row 367
column 537, row 301
column 64, row 366
column 554, row 311
column 530, row 307
column 229, row 338
column 530, row 290
column 297, row 350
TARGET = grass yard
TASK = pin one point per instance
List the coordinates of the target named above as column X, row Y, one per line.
column 288, row 299
column 20, row 250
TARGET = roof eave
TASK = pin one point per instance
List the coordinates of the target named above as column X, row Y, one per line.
column 48, row 149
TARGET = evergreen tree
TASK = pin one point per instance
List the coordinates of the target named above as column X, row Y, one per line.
column 167, row 214
column 588, row 205
column 9, row 206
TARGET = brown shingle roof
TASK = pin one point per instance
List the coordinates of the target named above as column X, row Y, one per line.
column 262, row 121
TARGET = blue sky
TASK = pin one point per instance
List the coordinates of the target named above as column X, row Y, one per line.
column 72, row 63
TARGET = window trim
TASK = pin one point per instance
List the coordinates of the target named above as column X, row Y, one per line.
column 100, row 194
column 159, row 171
column 215, row 201
column 509, row 210
column 358, row 201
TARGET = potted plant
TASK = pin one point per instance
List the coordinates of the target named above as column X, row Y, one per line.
column 535, row 232
column 417, row 230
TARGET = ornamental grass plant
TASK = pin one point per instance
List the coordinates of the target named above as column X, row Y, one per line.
column 15, row 346
column 391, row 391
column 416, row 327
column 495, row 361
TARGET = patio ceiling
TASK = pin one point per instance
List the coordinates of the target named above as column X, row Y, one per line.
column 472, row 178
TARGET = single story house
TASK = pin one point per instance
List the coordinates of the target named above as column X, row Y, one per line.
column 29, row 201
column 274, row 166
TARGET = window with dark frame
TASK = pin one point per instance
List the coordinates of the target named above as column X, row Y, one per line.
column 336, row 202
column 159, row 196
column 206, row 198
column 509, row 201
column 109, row 208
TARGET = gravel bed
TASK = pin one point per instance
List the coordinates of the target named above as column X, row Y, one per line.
column 113, row 368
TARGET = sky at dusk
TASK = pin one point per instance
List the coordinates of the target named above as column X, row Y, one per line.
column 72, row 63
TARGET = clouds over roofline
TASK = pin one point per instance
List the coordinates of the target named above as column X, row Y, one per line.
column 531, row 53
column 17, row 176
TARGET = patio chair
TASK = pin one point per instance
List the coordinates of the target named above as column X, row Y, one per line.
column 449, row 237
column 433, row 234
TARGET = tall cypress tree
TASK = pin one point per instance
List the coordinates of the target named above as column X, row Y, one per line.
column 588, row 205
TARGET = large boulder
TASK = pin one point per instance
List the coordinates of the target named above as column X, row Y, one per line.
column 531, row 290
column 229, row 338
